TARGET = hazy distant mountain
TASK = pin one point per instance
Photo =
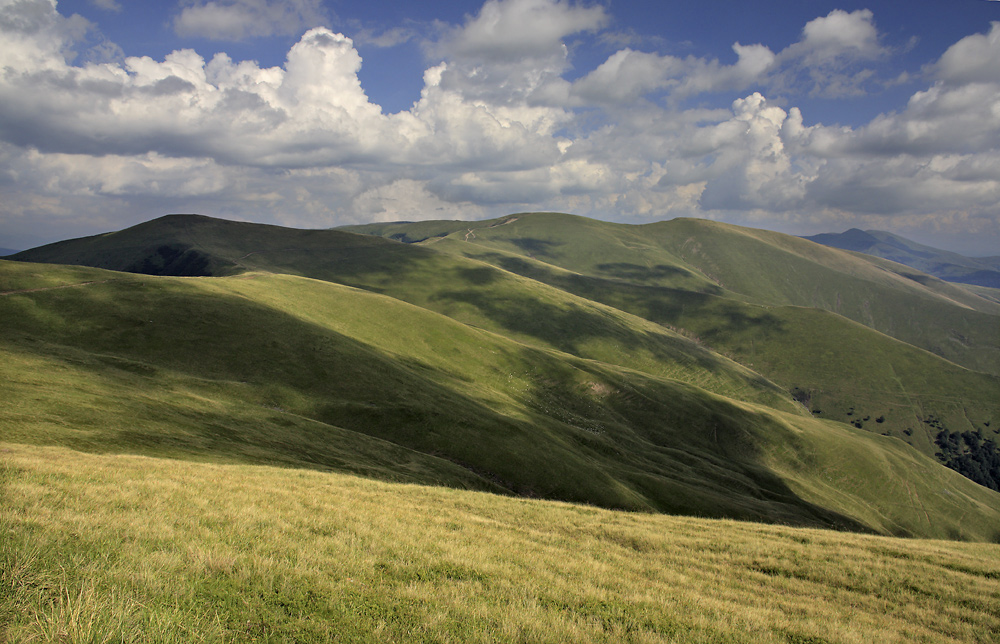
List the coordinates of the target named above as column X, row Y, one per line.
column 7, row 251
column 951, row 267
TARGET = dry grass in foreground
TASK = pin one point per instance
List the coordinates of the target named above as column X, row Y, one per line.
column 121, row 548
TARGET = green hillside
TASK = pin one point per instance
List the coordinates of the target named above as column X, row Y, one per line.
column 757, row 297
column 665, row 367
column 247, row 433
column 465, row 290
column 836, row 367
column 753, row 266
column 280, row 369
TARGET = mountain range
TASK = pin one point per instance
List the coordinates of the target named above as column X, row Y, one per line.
column 685, row 366
column 946, row 265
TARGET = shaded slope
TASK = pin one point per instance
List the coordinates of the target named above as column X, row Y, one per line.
column 194, row 245
column 282, row 369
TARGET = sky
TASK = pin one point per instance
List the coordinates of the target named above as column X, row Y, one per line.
column 800, row 116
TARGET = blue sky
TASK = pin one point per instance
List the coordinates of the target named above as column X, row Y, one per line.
column 803, row 117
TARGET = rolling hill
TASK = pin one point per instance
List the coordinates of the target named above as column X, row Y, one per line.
column 218, row 431
column 855, row 338
column 497, row 371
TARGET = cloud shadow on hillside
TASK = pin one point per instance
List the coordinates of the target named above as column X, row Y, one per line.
column 636, row 273
column 535, row 247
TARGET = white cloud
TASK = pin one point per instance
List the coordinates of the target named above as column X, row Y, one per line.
column 839, row 35
column 831, row 55
column 628, row 75
column 497, row 128
column 241, row 19
column 518, row 29
column 972, row 59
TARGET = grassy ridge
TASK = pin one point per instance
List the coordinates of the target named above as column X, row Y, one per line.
column 835, row 366
column 758, row 267
column 491, row 277
column 468, row 291
column 194, row 245
column 531, row 421
column 287, row 370
column 923, row 311
column 167, row 551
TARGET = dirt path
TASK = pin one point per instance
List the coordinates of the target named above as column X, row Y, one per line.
column 472, row 231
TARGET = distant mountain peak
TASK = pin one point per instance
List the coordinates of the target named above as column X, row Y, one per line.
column 942, row 264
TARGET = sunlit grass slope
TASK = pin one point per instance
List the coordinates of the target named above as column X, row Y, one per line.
column 894, row 299
column 136, row 549
column 832, row 363
column 834, row 366
column 286, row 370
column 754, row 266
column 465, row 290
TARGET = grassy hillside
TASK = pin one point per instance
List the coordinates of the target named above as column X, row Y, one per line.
column 754, row 266
column 468, row 291
column 834, row 366
column 762, row 305
column 286, row 370
column 194, row 245
column 615, row 348
column 136, row 549
column 920, row 310
column 317, row 435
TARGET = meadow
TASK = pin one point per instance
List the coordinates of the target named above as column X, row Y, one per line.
column 118, row 548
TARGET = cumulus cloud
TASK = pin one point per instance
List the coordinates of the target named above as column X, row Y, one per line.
column 497, row 128
column 830, row 57
column 972, row 59
column 838, row 35
column 241, row 19
column 833, row 54
column 515, row 29
column 628, row 75
column 940, row 153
